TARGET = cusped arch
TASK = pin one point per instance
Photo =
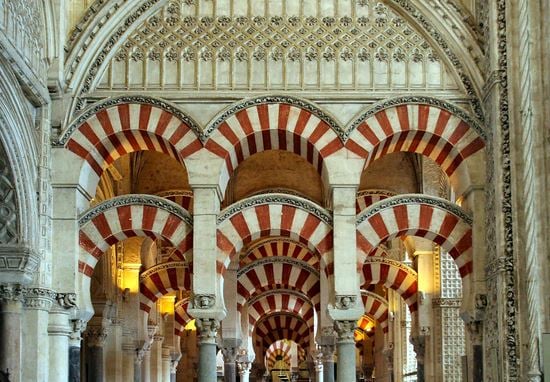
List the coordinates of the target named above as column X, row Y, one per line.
column 128, row 216
column 393, row 275
column 161, row 280
column 427, row 126
column 277, row 273
column 273, row 123
column 122, row 125
column 274, row 215
column 429, row 217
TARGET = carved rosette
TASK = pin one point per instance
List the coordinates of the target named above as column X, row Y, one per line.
column 208, row 330
column 345, row 330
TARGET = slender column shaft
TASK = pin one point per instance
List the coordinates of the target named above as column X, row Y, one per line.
column 146, row 367
column 10, row 331
column 94, row 355
column 166, row 367
column 128, row 362
column 328, row 362
column 58, row 332
column 346, row 350
column 244, row 371
column 208, row 329
column 230, row 367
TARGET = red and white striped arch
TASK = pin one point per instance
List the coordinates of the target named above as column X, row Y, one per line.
column 160, row 280
column 128, row 216
column 123, row 127
column 394, row 275
column 280, row 247
column 269, row 216
column 279, row 348
column 183, row 198
column 366, row 198
column 275, row 275
column 282, row 301
column 411, row 215
column 376, row 307
column 182, row 318
column 262, row 126
column 420, row 128
column 278, row 327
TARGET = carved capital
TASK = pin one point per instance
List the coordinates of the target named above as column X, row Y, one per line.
column 327, row 352
column 345, row 330
column 11, row 293
column 345, row 302
column 95, row 336
column 39, row 298
column 230, row 354
column 204, row 301
column 208, row 329
column 419, row 345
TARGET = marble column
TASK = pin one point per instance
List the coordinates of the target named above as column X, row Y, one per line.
column 129, row 355
column 346, row 350
column 59, row 330
column 328, row 362
column 167, row 363
column 75, row 340
column 244, row 370
column 475, row 332
column 207, row 331
column 230, row 367
column 138, row 360
column 146, row 364
column 318, row 367
column 419, row 344
column 95, row 340
column 174, row 361
column 11, row 305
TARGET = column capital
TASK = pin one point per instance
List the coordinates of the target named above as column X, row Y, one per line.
column 419, row 345
column 345, row 330
column 39, row 299
column 244, row 367
column 96, row 336
column 207, row 329
column 230, row 354
column 11, row 293
column 327, row 352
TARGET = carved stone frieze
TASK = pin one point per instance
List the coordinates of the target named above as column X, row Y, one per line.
column 11, row 293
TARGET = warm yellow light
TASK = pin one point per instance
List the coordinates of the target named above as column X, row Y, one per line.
column 130, row 277
column 191, row 325
column 166, row 305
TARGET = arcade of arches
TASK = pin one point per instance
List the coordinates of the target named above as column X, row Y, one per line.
column 274, row 190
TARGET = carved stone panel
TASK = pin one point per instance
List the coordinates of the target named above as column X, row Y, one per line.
column 9, row 233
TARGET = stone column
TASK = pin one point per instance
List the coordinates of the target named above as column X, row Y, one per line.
column 59, row 331
column 167, row 363
column 75, row 340
column 207, row 331
column 138, row 360
column 328, row 362
column 244, row 370
column 156, row 359
column 37, row 303
column 11, row 304
column 475, row 332
column 230, row 367
column 129, row 354
column 318, row 367
column 175, row 359
column 95, row 340
column 146, row 364
column 419, row 343
column 346, row 350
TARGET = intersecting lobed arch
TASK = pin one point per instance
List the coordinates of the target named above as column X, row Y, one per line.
column 394, row 275
column 281, row 326
column 119, row 126
column 427, row 126
column 271, row 274
column 128, row 216
column 273, row 123
column 281, row 301
column 161, row 280
column 181, row 317
column 366, row 198
column 279, row 348
column 280, row 247
column 274, row 215
column 376, row 307
column 429, row 217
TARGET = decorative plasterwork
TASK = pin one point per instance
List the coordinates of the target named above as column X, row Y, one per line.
column 39, row 298
column 304, row 204
column 18, row 264
column 9, row 216
column 414, row 199
column 146, row 200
